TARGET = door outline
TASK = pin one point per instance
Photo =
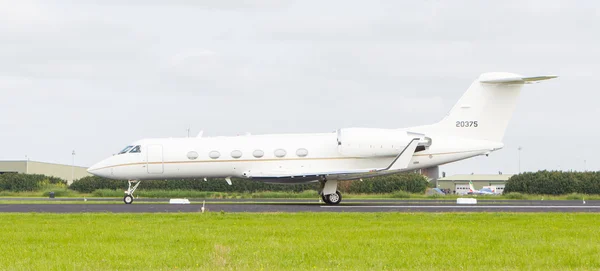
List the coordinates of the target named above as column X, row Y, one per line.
column 155, row 159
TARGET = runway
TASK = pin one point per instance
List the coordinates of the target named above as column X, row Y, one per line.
column 303, row 205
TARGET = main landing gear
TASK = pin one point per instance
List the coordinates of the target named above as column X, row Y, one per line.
column 128, row 199
column 334, row 198
column 329, row 193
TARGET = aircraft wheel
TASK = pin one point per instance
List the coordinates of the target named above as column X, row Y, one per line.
column 128, row 199
column 325, row 199
column 334, row 198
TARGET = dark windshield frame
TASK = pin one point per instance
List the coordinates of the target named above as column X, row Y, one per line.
column 126, row 149
column 136, row 149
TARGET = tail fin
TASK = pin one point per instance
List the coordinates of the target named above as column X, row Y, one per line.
column 471, row 188
column 484, row 111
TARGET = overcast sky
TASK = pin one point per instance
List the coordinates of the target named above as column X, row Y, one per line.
column 90, row 77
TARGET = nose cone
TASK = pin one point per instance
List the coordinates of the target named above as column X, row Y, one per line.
column 91, row 169
column 99, row 169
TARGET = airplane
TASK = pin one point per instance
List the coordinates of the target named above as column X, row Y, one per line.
column 483, row 191
column 475, row 126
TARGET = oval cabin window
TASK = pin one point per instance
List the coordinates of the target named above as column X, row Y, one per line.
column 236, row 154
column 302, row 152
column 280, row 153
column 258, row 153
column 192, row 155
column 214, row 154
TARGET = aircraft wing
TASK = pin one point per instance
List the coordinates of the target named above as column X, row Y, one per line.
column 400, row 162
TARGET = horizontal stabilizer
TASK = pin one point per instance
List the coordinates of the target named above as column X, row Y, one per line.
column 511, row 78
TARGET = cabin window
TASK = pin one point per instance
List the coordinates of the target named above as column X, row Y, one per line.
column 280, row 153
column 214, row 154
column 125, row 150
column 302, row 152
column 192, row 155
column 236, row 154
column 136, row 149
column 258, row 153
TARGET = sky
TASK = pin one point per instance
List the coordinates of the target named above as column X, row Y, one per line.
column 94, row 76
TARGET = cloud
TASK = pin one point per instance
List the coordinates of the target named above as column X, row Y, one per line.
column 21, row 13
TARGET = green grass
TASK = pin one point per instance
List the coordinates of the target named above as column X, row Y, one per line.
column 302, row 241
column 309, row 194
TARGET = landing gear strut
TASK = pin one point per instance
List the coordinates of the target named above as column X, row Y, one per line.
column 128, row 199
column 329, row 192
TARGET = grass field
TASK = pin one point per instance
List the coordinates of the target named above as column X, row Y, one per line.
column 309, row 194
column 302, row 241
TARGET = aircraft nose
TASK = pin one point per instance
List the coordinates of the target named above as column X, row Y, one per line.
column 93, row 169
column 98, row 169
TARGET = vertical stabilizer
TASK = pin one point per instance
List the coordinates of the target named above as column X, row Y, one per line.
column 484, row 110
column 471, row 188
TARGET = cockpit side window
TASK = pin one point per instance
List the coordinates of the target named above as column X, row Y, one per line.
column 126, row 149
column 136, row 149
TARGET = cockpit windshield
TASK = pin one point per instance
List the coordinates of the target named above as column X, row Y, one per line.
column 126, row 149
column 136, row 149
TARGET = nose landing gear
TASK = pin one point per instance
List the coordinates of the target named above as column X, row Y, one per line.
column 128, row 199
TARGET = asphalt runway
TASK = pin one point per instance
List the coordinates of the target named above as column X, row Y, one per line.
column 304, row 205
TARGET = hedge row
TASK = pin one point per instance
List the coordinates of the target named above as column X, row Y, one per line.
column 541, row 182
column 413, row 183
column 408, row 182
column 554, row 183
column 89, row 184
column 18, row 182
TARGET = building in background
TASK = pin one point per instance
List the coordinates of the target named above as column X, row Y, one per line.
column 460, row 183
column 65, row 172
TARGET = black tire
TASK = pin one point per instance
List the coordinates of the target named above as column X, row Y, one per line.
column 335, row 198
column 128, row 199
column 324, row 198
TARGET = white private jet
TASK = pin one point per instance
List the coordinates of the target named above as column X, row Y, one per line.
column 475, row 126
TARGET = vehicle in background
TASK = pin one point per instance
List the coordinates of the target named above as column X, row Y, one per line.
column 486, row 190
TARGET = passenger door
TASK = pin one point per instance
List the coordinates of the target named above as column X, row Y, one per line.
column 155, row 164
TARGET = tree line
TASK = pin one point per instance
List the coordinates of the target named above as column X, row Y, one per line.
column 16, row 182
column 554, row 183
column 541, row 182
column 409, row 182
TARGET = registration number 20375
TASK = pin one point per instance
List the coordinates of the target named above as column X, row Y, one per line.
column 466, row 123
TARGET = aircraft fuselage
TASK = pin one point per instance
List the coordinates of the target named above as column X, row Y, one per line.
column 251, row 155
